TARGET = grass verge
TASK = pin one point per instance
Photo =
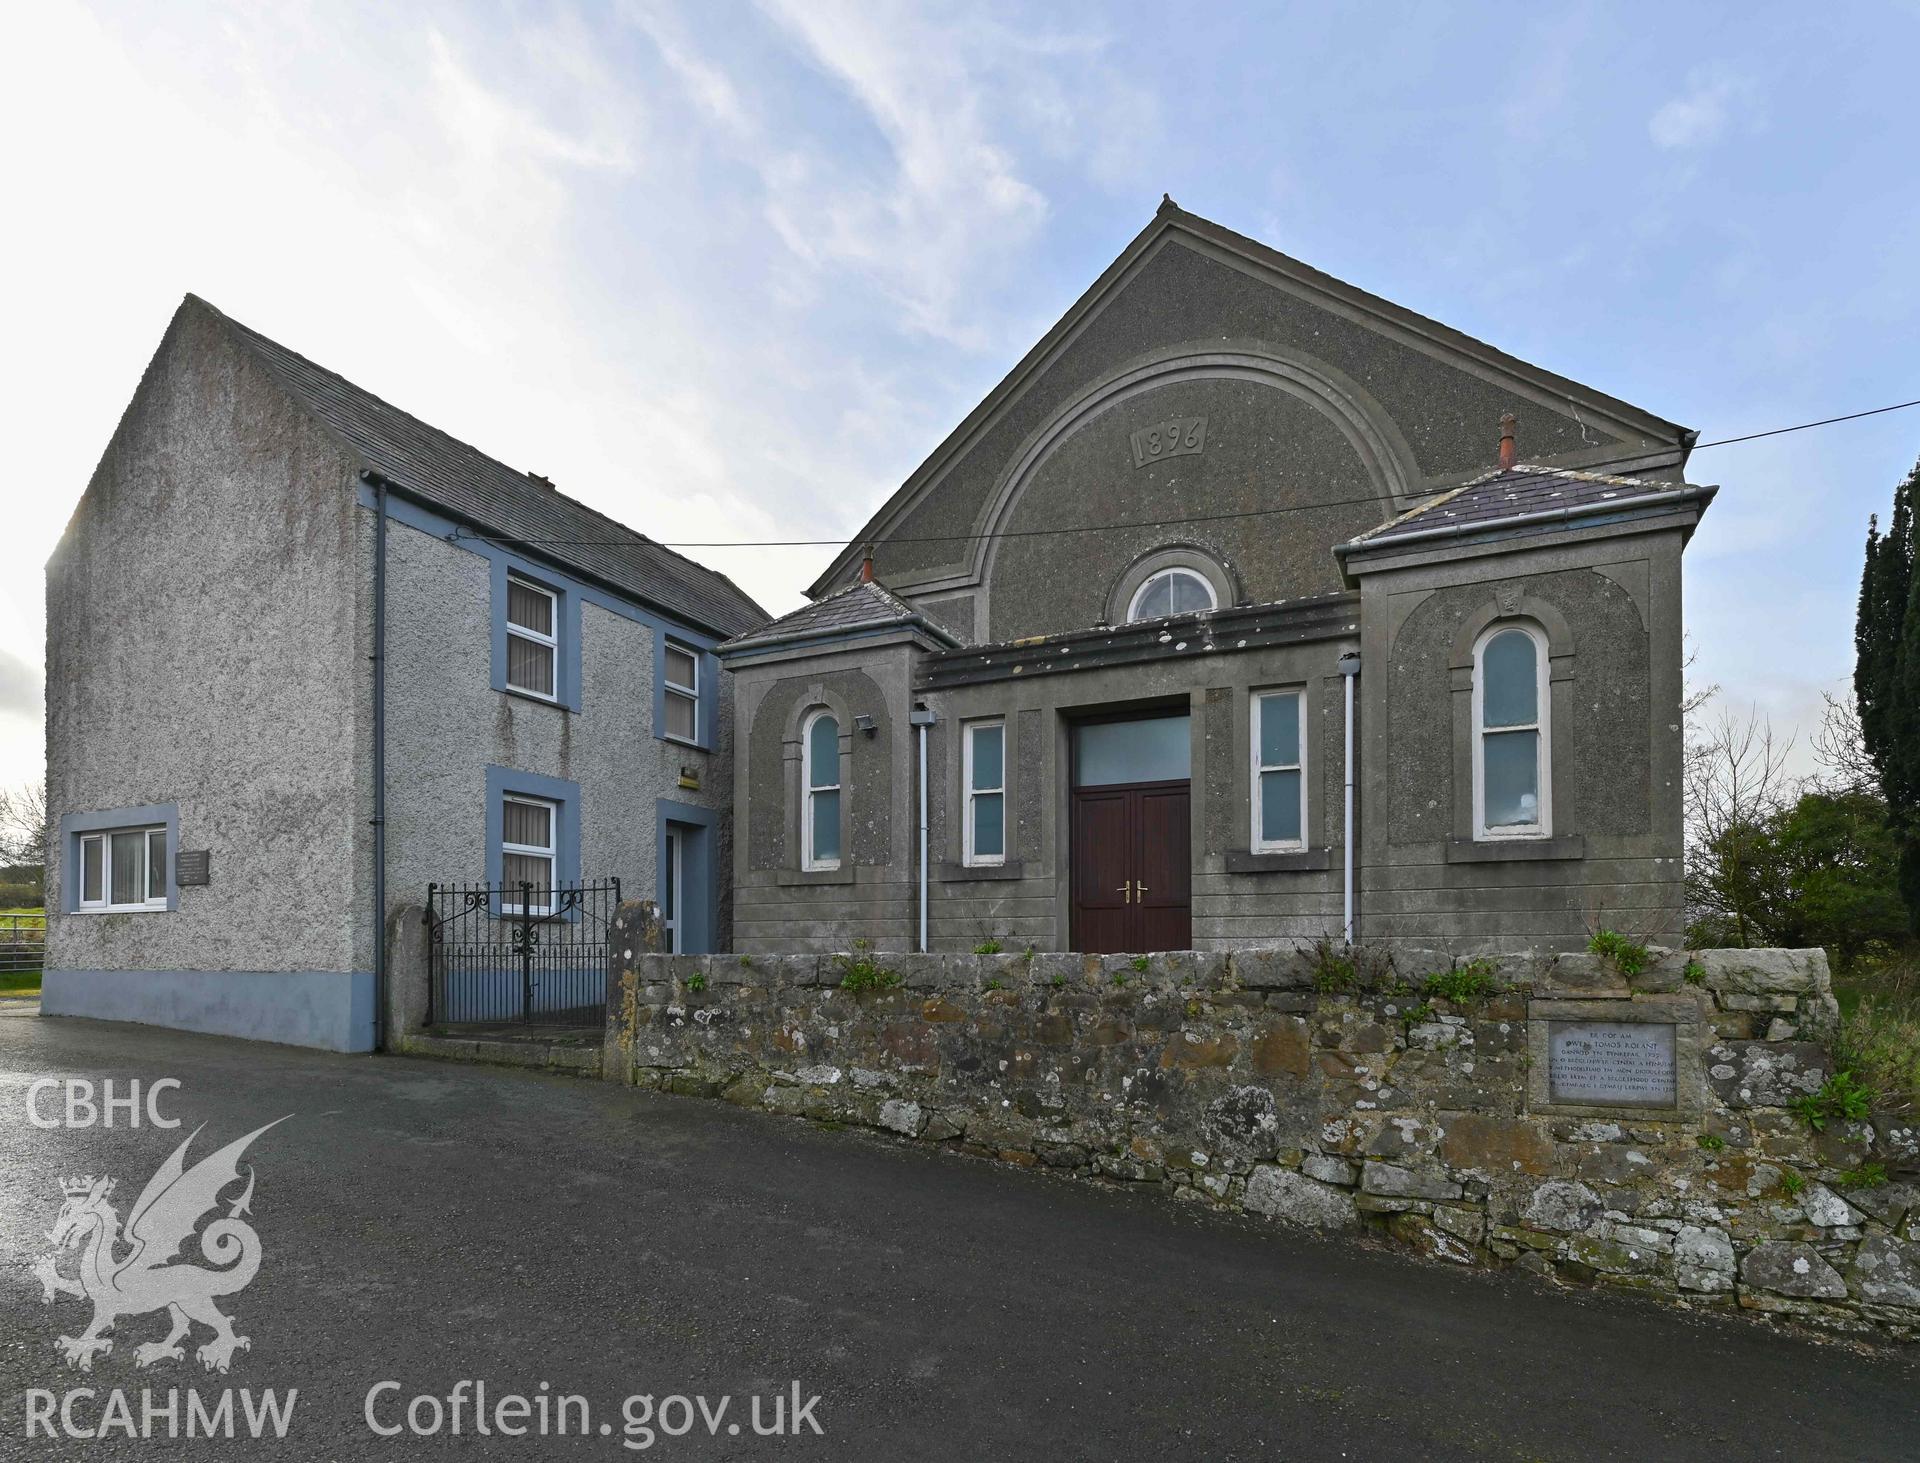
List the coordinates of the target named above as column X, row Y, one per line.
column 1879, row 1037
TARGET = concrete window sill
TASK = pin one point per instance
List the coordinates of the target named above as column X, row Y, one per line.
column 841, row 875
column 1516, row 850
column 535, row 697
column 1239, row 861
column 976, row 873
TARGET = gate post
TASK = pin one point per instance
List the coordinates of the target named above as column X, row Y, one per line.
column 633, row 933
column 409, row 978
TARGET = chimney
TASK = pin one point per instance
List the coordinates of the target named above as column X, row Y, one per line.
column 866, row 567
column 1507, row 423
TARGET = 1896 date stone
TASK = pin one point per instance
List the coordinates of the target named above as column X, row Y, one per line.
column 1611, row 1063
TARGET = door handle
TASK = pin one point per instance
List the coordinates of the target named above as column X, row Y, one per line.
column 1126, row 890
column 1140, row 892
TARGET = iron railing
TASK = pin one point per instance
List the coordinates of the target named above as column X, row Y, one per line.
column 23, row 942
column 519, row 953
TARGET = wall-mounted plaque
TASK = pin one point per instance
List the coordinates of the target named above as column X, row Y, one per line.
column 1181, row 437
column 193, row 866
column 1611, row 1063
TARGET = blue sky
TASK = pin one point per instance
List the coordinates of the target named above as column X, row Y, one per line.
column 729, row 270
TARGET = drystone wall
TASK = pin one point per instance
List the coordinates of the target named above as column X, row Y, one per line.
column 1553, row 1114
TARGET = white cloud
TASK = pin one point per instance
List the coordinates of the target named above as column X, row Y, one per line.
column 22, row 687
column 709, row 87
column 1699, row 116
column 953, row 192
column 954, row 100
column 400, row 199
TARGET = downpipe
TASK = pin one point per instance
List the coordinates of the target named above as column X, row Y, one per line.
column 920, row 718
column 1349, row 672
column 379, row 659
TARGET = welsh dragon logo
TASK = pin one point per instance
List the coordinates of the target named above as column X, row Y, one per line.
column 132, row 1275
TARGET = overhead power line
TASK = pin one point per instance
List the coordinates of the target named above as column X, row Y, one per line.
column 1852, row 416
column 947, row 538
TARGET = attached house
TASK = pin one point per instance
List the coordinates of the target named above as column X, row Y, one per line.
column 1249, row 608
column 308, row 657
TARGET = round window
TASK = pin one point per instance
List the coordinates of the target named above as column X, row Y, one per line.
column 1171, row 592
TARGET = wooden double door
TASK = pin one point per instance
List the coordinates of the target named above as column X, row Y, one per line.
column 1132, row 868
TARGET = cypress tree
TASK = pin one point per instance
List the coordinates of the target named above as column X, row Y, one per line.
column 1870, row 644
column 1885, row 587
column 1886, row 677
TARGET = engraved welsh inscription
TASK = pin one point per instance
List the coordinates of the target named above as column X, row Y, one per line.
column 1181, row 437
column 1611, row 1063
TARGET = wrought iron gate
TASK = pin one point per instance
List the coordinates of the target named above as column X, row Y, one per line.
column 519, row 953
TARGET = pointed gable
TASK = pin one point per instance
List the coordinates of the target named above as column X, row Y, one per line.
column 1286, row 388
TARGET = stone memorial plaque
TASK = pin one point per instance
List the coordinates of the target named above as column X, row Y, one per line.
column 1611, row 1063
column 194, row 866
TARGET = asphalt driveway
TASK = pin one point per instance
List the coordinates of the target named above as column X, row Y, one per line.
column 424, row 1224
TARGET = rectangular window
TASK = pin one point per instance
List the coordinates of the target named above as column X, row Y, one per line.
column 986, row 784
column 682, row 693
column 527, row 829
column 1279, row 780
column 1151, row 749
column 123, row 869
column 533, row 639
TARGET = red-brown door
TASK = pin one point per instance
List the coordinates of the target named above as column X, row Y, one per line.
column 1132, row 869
column 1102, row 869
column 1163, row 871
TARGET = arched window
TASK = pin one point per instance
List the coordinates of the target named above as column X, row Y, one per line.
column 1512, row 786
column 1171, row 592
column 820, row 781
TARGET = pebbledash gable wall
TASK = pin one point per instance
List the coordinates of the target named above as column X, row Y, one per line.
column 1233, row 1081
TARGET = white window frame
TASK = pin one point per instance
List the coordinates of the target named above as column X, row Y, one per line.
column 1542, row 826
column 551, row 852
column 971, row 793
column 674, row 688
column 1133, row 605
column 103, row 838
column 808, row 790
column 533, row 637
column 1255, row 841
column 674, row 887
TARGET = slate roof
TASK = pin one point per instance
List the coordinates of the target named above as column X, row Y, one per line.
column 424, row 462
column 1521, row 492
column 862, row 605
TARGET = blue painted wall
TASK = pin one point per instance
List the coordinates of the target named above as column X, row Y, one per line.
column 320, row 1008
